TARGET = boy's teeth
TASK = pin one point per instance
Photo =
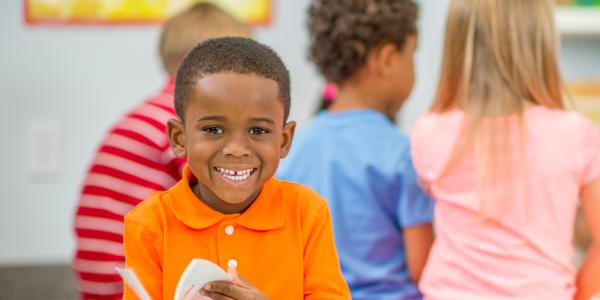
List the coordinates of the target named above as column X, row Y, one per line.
column 235, row 175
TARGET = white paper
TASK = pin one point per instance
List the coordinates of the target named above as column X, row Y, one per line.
column 133, row 282
column 198, row 273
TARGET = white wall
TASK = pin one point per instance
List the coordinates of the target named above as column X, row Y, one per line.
column 85, row 77
column 432, row 16
column 80, row 77
column 580, row 57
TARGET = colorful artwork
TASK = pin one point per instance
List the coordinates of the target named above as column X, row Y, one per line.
column 254, row 12
column 578, row 2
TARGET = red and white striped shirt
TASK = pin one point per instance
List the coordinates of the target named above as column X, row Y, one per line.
column 133, row 161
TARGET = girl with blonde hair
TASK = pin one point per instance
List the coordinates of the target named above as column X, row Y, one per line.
column 505, row 161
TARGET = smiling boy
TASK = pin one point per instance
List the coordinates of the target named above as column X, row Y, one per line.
column 232, row 97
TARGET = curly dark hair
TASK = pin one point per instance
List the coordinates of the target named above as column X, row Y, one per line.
column 344, row 31
column 229, row 54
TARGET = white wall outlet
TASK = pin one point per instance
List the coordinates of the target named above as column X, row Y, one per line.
column 44, row 148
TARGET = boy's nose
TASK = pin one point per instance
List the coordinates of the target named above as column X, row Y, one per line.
column 236, row 147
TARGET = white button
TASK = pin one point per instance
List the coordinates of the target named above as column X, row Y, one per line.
column 229, row 230
column 232, row 263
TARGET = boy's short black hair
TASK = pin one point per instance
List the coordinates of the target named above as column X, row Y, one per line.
column 229, row 54
column 343, row 32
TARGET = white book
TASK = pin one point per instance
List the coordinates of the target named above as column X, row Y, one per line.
column 198, row 273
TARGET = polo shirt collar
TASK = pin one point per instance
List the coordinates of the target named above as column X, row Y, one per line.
column 266, row 213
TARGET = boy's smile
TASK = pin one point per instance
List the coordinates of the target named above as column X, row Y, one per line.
column 235, row 175
column 234, row 135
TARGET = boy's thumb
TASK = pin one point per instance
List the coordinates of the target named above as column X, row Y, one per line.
column 232, row 271
column 235, row 276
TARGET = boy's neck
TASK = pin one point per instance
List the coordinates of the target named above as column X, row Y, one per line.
column 221, row 206
column 355, row 96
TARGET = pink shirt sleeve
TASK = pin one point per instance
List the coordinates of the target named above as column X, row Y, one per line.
column 591, row 153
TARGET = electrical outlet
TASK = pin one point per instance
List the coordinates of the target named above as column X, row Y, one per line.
column 44, row 148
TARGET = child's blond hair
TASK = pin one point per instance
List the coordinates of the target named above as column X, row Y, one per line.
column 192, row 26
column 500, row 56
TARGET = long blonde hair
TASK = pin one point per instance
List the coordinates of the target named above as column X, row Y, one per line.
column 500, row 56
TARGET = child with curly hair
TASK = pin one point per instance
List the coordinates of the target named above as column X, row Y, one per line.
column 354, row 156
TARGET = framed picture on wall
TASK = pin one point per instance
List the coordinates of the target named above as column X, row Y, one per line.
column 119, row 12
column 578, row 16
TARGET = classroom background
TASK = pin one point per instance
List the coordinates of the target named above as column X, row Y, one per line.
column 63, row 84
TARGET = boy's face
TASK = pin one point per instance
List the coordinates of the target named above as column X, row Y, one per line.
column 404, row 72
column 233, row 137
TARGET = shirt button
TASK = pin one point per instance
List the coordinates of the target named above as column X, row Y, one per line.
column 229, row 230
column 232, row 263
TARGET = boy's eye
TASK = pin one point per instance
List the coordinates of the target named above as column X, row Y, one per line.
column 213, row 130
column 258, row 131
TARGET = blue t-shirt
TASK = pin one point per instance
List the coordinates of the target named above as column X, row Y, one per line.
column 361, row 164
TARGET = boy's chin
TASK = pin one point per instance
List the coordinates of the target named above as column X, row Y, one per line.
column 237, row 199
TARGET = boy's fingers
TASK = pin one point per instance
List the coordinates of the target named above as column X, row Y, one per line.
column 215, row 296
column 187, row 291
column 232, row 271
column 237, row 277
column 194, row 294
column 202, row 295
column 223, row 288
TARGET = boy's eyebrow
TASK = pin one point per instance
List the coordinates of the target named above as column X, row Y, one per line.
column 210, row 118
column 221, row 118
column 262, row 119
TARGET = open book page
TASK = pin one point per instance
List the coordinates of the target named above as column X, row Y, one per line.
column 133, row 282
column 198, row 273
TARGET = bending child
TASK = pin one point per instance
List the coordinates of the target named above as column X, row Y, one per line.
column 232, row 96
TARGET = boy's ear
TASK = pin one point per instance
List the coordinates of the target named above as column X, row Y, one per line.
column 381, row 59
column 288, row 135
column 176, row 134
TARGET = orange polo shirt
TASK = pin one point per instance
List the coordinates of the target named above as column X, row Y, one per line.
column 283, row 243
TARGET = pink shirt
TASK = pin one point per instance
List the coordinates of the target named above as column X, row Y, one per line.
column 526, row 253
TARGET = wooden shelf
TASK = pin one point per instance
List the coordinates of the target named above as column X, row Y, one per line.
column 578, row 21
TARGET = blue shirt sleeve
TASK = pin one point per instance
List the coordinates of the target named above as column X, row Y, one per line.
column 414, row 206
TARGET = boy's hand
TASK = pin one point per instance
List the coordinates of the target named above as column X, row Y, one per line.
column 238, row 289
column 192, row 294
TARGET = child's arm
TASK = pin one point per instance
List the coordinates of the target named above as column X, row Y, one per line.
column 588, row 279
column 583, row 238
column 415, row 214
column 418, row 241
